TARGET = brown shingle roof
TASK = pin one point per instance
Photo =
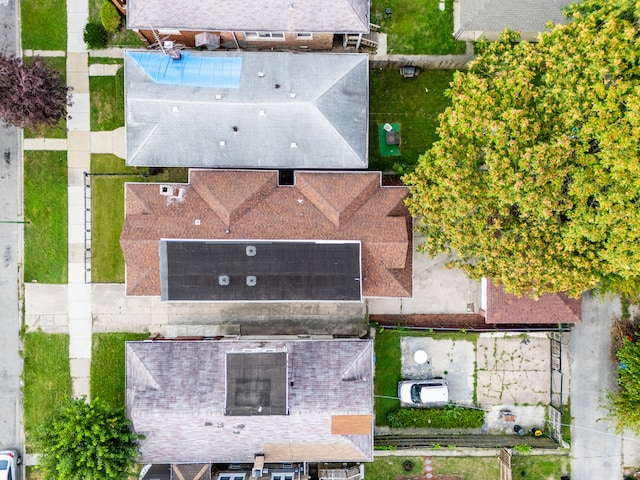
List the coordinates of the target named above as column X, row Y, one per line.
column 251, row 206
column 550, row 308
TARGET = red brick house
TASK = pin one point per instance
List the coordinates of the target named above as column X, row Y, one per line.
column 238, row 235
column 269, row 24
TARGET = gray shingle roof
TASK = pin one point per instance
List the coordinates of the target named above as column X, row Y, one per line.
column 521, row 15
column 329, row 16
column 175, row 395
column 307, row 111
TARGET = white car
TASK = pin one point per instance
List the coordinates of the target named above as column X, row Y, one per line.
column 424, row 393
column 9, row 461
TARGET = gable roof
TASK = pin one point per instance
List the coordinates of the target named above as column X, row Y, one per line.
column 521, row 15
column 249, row 205
column 318, row 16
column 504, row 308
column 182, row 411
column 247, row 109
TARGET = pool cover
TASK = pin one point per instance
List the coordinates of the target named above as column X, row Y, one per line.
column 191, row 71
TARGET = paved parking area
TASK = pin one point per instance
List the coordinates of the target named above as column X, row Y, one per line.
column 513, row 369
column 511, row 372
column 450, row 359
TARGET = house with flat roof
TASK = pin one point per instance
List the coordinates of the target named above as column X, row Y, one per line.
column 247, row 110
column 240, row 235
column 251, row 408
column 301, row 24
column 473, row 19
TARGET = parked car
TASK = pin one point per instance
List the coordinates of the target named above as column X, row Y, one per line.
column 424, row 393
column 9, row 461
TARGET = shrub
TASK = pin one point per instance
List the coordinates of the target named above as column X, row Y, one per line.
column 95, row 36
column 109, row 16
column 455, row 417
column 524, row 448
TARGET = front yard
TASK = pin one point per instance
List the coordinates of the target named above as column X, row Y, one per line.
column 108, row 366
column 107, row 211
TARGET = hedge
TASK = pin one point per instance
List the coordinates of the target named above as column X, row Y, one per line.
column 109, row 16
column 448, row 417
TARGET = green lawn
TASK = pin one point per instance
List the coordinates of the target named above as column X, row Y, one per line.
column 107, row 366
column 45, row 206
column 106, row 61
column 44, row 24
column 417, row 28
column 469, row 468
column 107, row 207
column 383, row 468
column 414, row 103
column 543, row 467
column 46, row 377
column 60, row 129
column 107, row 101
column 387, row 350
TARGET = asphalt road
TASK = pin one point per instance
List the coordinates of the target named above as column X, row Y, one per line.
column 10, row 255
column 596, row 452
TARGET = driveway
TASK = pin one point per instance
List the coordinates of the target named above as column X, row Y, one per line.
column 596, row 452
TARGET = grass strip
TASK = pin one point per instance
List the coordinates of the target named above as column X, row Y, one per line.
column 44, row 24
column 387, row 376
column 45, row 205
column 46, row 376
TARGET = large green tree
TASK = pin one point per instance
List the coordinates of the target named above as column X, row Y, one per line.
column 535, row 181
column 86, row 441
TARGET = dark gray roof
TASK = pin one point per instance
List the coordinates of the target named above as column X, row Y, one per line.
column 256, row 383
column 176, row 396
column 521, row 15
column 236, row 270
column 329, row 16
column 290, row 110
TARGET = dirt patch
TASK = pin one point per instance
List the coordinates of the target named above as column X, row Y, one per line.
column 621, row 329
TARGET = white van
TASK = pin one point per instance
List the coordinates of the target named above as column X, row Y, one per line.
column 424, row 393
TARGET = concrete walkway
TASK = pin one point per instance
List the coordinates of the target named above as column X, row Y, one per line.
column 78, row 161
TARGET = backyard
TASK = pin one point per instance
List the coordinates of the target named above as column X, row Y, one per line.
column 388, row 374
column 539, row 467
column 45, row 210
column 417, row 28
column 415, row 104
column 107, row 215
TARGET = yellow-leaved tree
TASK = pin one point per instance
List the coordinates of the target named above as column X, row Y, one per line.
column 535, row 181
